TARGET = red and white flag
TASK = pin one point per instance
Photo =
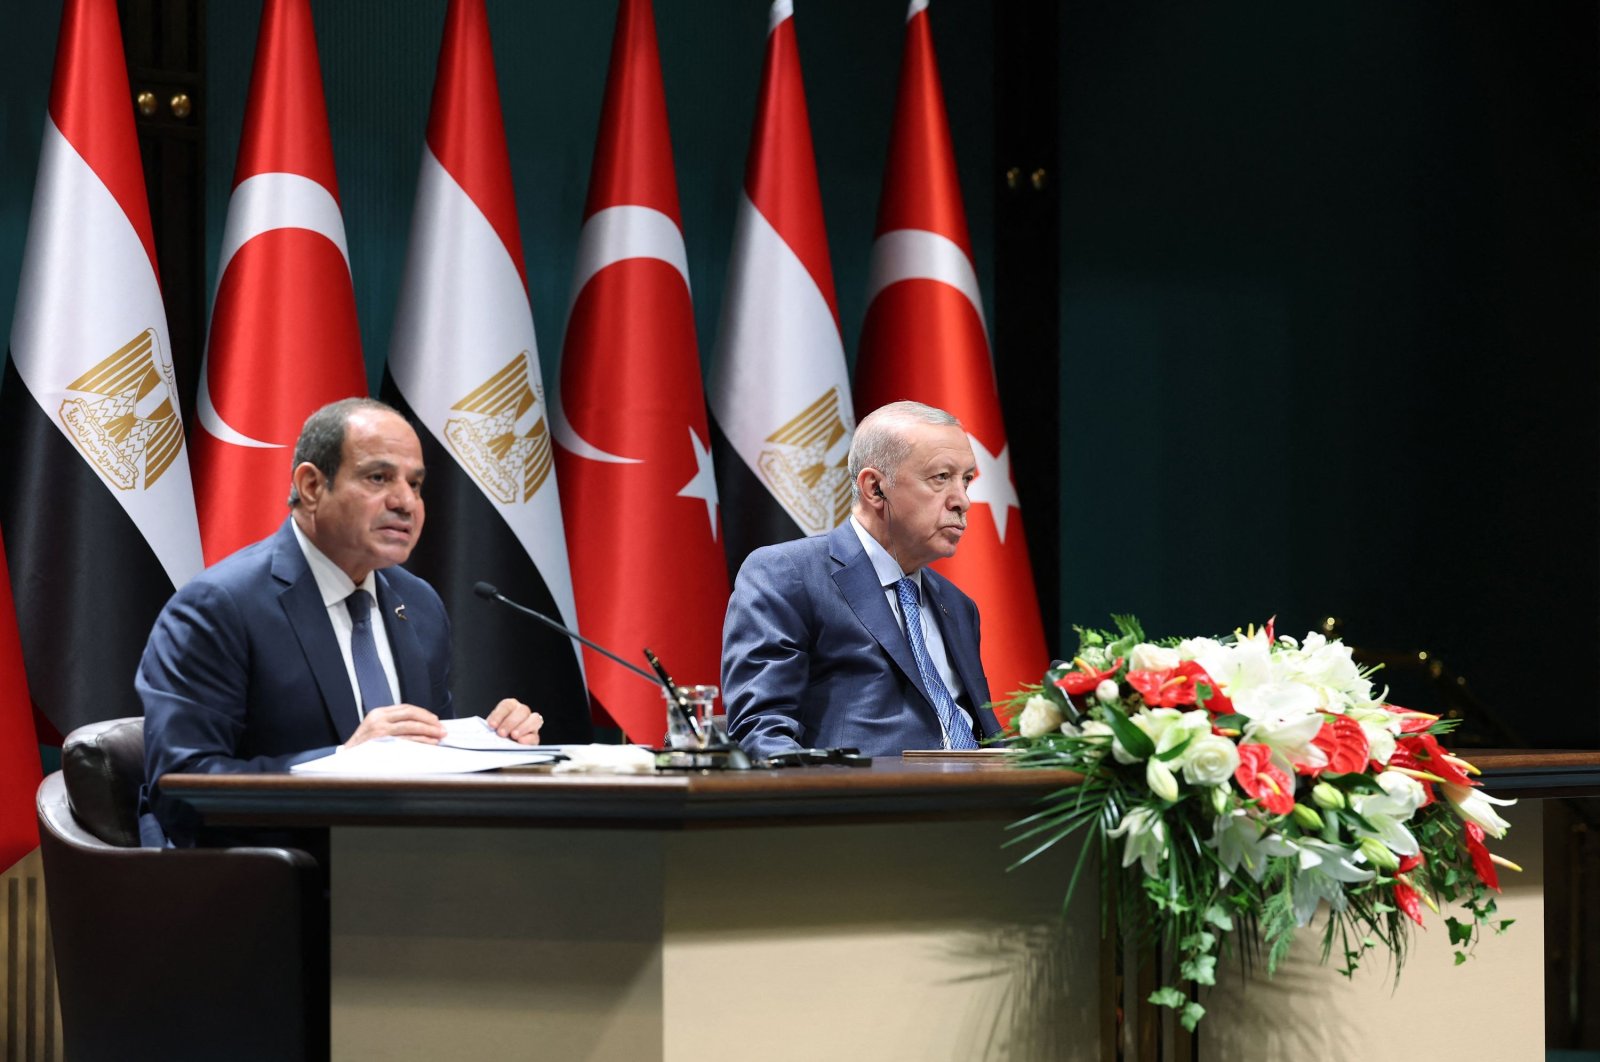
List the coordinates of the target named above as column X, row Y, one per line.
column 632, row 445
column 925, row 339
column 95, row 495
column 284, row 339
column 780, row 391
column 464, row 366
column 20, row 772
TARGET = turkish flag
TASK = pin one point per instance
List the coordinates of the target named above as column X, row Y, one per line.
column 633, row 451
column 925, row 339
column 284, row 340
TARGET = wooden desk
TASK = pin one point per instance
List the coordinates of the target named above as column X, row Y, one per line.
column 823, row 912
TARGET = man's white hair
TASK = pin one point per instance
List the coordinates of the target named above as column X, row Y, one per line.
column 881, row 441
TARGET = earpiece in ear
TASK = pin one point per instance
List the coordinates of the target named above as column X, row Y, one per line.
column 878, row 491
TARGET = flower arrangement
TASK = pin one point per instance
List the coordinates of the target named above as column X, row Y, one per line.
column 1250, row 781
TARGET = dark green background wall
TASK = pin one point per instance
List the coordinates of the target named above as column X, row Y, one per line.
column 1328, row 277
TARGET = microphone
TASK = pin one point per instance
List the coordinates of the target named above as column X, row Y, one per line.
column 661, row 678
column 489, row 593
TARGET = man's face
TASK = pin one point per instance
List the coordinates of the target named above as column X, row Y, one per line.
column 925, row 511
column 370, row 516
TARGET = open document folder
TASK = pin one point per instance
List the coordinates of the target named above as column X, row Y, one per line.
column 469, row 745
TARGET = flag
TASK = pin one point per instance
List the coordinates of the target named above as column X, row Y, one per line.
column 20, row 772
column 95, row 497
column 632, row 447
column 924, row 338
column 780, row 391
column 283, row 339
column 464, row 366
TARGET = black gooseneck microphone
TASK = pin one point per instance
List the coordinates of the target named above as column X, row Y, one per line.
column 660, row 678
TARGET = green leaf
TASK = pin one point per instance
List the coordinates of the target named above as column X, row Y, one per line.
column 1191, row 1016
column 1135, row 741
column 1460, row 932
column 1219, row 918
column 1202, row 969
column 1506, row 924
column 1168, row 997
column 1198, row 942
column 1173, row 753
column 1460, row 958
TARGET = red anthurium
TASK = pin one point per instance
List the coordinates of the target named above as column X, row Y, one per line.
column 1405, row 898
column 1405, row 894
column 1345, row 744
column 1170, row 687
column 1480, row 857
column 1422, row 752
column 1266, row 782
column 1270, row 629
column 1216, row 702
column 1085, row 678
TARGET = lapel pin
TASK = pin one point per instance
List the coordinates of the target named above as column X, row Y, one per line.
column 400, row 611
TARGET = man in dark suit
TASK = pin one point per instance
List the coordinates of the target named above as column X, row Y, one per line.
column 847, row 639
column 313, row 637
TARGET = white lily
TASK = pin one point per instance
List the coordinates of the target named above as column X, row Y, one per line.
column 1388, row 812
column 1146, row 834
column 1474, row 805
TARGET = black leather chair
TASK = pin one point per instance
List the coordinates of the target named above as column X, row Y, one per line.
column 173, row 954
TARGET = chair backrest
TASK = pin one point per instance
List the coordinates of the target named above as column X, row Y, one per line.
column 173, row 954
column 103, row 766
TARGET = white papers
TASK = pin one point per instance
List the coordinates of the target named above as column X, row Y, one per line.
column 402, row 758
column 475, row 733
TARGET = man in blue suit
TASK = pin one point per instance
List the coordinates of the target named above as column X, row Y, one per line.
column 847, row 640
column 313, row 637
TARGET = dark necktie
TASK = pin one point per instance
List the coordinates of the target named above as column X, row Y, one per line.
column 375, row 691
column 957, row 734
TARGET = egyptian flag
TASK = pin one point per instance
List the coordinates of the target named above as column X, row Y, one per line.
column 639, row 494
column 924, row 338
column 780, row 392
column 20, row 772
column 283, row 340
column 95, row 497
column 463, row 365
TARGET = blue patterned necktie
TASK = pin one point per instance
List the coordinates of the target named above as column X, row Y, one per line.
column 375, row 691
column 957, row 734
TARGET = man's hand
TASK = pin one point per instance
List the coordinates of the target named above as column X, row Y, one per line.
column 399, row 720
column 515, row 720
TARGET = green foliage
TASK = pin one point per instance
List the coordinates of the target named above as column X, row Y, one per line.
column 1196, row 902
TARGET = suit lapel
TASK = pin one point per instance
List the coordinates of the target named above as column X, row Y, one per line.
column 403, row 646
column 858, row 581
column 308, row 618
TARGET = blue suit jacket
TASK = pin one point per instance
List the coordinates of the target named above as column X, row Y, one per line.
column 813, row 656
column 242, row 671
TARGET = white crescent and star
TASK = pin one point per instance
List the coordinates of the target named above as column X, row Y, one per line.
column 260, row 204
column 613, row 235
column 993, row 486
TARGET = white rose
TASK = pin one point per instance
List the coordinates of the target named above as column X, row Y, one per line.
column 1147, row 657
column 1039, row 717
column 1210, row 760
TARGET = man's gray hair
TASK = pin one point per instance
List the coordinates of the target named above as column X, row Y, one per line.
column 322, row 437
column 881, row 442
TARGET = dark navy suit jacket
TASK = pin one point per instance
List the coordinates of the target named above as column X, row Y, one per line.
column 242, row 671
column 813, row 656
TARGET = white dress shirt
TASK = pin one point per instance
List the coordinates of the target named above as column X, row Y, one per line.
column 889, row 573
column 335, row 586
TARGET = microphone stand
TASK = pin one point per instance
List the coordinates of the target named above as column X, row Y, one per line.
column 716, row 750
